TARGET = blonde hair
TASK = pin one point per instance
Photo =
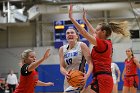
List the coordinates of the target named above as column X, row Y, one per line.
column 116, row 27
column 120, row 28
column 25, row 54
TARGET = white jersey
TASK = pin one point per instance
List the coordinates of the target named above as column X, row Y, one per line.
column 114, row 68
column 73, row 59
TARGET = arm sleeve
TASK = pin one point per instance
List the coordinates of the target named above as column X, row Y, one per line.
column 24, row 70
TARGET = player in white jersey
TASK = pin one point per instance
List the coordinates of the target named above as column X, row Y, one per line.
column 116, row 77
column 74, row 56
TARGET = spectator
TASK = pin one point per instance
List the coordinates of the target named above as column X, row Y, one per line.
column 11, row 81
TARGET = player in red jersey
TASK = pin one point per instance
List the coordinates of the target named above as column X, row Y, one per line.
column 29, row 75
column 101, row 52
column 130, row 75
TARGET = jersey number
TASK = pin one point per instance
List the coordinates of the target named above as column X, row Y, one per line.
column 128, row 69
column 69, row 61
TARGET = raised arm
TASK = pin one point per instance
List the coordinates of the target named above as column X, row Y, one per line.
column 91, row 29
column 34, row 65
column 82, row 30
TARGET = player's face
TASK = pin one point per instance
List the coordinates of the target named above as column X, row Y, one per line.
column 71, row 35
column 11, row 71
column 128, row 52
column 99, row 32
column 31, row 58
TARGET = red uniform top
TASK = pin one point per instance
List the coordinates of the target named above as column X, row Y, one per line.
column 131, row 68
column 102, row 56
column 28, row 80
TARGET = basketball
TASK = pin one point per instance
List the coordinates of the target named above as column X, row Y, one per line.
column 75, row 78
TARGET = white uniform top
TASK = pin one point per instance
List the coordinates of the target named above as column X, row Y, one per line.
column 114, row 68
column 73, row 59
column 12, row 79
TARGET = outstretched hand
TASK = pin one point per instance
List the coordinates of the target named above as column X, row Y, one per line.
column 84, row 14
column 47, row 54
column 70, row 11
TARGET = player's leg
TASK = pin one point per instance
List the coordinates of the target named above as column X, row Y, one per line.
column 88, row 90
column 134, row 84
column 115, row 88
column 133, row 90
column 125, row 89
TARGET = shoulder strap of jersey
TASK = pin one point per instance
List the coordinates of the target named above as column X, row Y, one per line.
column 101, row 51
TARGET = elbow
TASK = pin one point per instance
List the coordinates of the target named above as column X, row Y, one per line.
column 61, row 70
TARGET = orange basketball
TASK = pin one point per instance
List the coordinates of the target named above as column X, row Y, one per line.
column 75, row 78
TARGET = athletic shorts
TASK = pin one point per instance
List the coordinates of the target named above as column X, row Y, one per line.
column 102, row 84
column 131, row 81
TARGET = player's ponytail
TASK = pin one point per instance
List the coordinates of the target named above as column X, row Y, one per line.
column 120, row 28
column 116, row 27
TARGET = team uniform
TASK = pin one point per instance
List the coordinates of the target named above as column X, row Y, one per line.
column 131, row 76
column 74, row 60
column 114, row 68
column 102, row 57
column 28, row 80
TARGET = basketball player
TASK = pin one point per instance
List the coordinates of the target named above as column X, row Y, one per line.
column 73, row 56
column 116, row 78
column 130, row 75
column 101, row 52
column 29, row 75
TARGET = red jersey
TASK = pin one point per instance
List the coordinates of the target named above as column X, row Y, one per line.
column 131, row 68
column 28, row 81
column 102, row 55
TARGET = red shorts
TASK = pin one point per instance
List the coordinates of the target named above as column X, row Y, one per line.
column 131, row 81
column 102, row 84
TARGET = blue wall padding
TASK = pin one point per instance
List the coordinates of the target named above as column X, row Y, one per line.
column 51, row 73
